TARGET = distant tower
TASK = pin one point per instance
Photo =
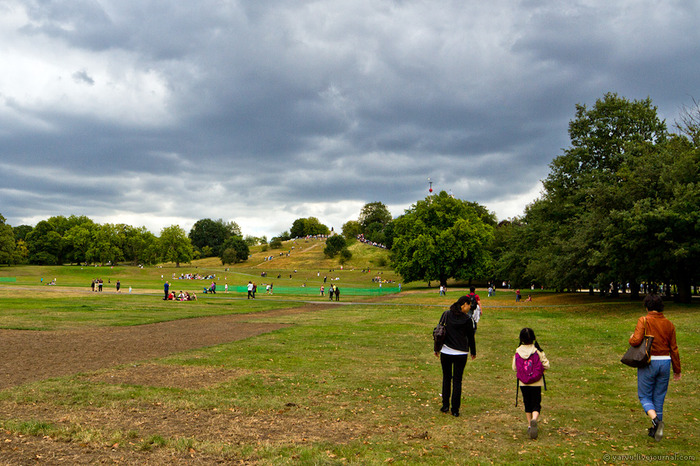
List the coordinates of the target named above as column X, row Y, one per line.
column 430, row 186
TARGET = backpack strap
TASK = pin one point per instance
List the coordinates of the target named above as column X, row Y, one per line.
column 517, row 385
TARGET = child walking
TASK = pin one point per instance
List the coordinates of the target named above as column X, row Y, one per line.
column 529, row 363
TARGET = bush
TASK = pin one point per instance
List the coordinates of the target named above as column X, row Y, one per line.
column 345, row 255
column 235, row 250
column 334, row 245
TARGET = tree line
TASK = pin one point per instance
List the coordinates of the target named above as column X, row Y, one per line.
column 620, row 210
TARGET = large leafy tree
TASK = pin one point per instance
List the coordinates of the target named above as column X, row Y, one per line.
column 7, row 243
column 375, row 222
column 21, row 232
column 212, row 233
column 174, row 245
column 657, row 237
column 351, row 229
column 572, row 216
column 138, row 244
column 620, row 205
column 106, row 245
column 439, row 238
column 45, row 244
column 374, row 212
column 80, row 239
column 235, row 250
column 308, row 227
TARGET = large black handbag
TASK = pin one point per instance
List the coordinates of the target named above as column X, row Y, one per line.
column 439, row 333
column 639, row 356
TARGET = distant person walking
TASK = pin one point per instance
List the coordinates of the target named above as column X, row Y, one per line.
column 119, row 285
column 652, row 380
column 250, row 290
column 166, row 288
column 336, row 290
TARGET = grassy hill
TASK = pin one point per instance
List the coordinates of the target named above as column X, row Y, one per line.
column 299, row 264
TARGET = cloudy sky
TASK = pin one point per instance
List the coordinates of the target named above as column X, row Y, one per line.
column 155, row 112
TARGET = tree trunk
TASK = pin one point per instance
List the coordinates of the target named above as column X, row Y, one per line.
column 684, row 293
column 634, row 290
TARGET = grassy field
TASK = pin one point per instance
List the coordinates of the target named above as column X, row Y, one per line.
column 300, row 266
column 358, row 383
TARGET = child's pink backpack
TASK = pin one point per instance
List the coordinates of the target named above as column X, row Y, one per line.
column 529, row 370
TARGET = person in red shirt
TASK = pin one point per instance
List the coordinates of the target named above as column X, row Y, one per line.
column 652, row 380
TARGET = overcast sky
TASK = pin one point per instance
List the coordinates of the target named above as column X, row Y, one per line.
column 154, row 112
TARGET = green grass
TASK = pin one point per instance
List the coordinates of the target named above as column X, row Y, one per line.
column 305, row 265
column 370, row 368
column 28, row 310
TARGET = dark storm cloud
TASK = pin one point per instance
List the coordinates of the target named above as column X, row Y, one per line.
column 158, row 112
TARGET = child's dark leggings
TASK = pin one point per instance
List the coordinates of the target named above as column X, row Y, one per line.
column 532, row 398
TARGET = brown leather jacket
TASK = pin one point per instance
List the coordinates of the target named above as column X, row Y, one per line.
column 664, row 333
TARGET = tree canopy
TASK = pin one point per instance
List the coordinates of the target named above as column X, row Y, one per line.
column 175, row 246
column 235, row 250
column 619, row 206
column 309, row 226
column 441, row 237
column 8, row 245
column 334, row 245
column 212, row 233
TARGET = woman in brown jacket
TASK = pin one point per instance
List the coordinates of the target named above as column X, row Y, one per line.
column 652, row 381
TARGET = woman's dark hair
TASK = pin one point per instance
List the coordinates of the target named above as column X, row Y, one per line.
column 653, row 302
column 456, row 307
column 527, row 337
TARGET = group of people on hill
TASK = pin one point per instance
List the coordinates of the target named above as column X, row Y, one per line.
column 193, row 276
column 455, row 343
column 361, row 238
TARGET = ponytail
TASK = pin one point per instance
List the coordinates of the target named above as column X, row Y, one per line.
column 527, row 337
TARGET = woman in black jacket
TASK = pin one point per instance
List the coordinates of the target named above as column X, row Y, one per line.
column 459, row 343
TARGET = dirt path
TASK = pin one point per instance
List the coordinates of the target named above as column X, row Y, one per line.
column 36, row 355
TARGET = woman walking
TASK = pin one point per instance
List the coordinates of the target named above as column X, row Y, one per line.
column 459, row 343
column 652, row 380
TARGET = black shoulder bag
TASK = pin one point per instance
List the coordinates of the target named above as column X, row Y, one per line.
column 439, row 333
